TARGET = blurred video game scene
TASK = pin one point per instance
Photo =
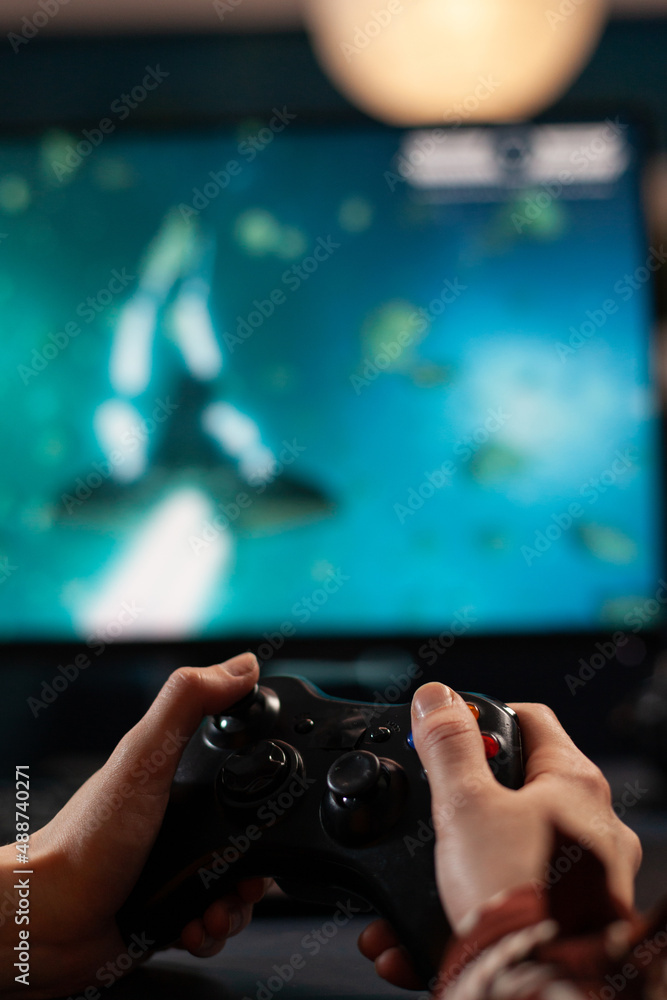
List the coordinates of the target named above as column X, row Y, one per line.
column 353, row 379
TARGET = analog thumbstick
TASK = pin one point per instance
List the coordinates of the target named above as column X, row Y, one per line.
column 354, row 775
column 365, row 797
column 250, row 719
column 254, row 772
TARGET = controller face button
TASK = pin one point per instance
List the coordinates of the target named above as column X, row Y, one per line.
column 380, row 734
column 491, row 745
column 474, row 709
column 303, row 726
column 409, row 740
column 254, row 771
column 354, row 775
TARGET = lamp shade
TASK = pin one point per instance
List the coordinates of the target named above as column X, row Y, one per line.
column 415, row 62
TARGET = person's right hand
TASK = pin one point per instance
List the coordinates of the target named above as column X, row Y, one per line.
column 490, row 838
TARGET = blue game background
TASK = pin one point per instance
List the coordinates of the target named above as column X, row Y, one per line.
column 494, row 348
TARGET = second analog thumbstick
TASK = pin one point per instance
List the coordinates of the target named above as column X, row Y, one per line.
column 354, row 775
column 365, row 797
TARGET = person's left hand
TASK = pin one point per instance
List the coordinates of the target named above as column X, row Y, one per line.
column 88, row 858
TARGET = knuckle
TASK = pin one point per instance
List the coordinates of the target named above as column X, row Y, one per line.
column 479, row 784
column 439, row 731
column 184, row 682
column 595, row 780
column 637, row 852
column 592, row 781
column 632, row 847
column 536, row 709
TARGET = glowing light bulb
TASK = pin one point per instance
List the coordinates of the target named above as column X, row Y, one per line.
column 415, row 62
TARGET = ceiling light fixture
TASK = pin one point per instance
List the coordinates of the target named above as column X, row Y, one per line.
column 415, row 62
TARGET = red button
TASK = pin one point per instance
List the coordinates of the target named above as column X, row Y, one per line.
column 491, row 745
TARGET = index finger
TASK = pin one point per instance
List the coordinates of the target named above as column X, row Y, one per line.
column 548, row 750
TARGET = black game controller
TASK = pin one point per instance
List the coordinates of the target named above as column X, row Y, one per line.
column 325, row 795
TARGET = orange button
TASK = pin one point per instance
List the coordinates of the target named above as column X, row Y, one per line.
column 473, row 709
column 491, row 745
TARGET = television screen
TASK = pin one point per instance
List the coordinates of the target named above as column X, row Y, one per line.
column 325, row 380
